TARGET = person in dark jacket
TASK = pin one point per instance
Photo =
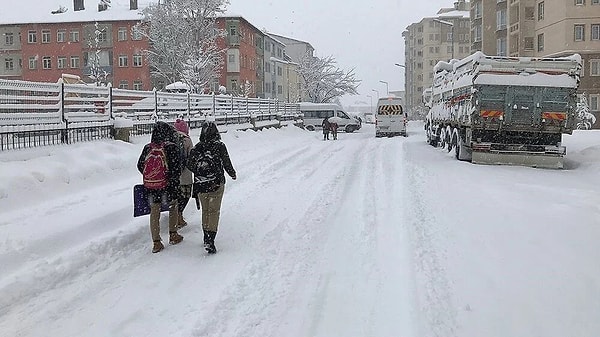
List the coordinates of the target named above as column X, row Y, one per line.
column 210, row 194
column 163, row 134
column 325, row 124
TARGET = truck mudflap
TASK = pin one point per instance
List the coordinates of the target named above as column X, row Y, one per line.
column 540, row 156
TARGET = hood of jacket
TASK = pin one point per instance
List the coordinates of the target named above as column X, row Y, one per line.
column 162, row 132
column 209, row 133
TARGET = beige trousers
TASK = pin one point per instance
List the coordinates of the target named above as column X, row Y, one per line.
column 211, row 208
column 155, row 219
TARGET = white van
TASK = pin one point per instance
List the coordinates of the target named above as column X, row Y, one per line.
column 314, row 113
column 390, row 119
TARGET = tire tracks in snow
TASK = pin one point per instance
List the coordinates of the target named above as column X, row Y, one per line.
column 437, row 312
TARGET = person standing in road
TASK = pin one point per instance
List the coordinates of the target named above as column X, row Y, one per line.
column 160, row 165
column 207, row 161
column 333, row 125
column 186, row 179
column 326, row 126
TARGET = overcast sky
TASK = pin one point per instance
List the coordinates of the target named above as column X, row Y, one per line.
column 365, row 35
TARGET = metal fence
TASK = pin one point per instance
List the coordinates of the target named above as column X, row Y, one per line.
column 38, row 114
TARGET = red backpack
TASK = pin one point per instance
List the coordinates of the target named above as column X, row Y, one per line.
column 155, row 167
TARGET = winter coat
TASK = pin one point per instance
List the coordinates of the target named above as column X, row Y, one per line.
column 325, row 124
column 211, row 139
column 186, row 175
column 163, row 133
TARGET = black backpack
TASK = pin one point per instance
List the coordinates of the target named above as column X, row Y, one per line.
column 205, row 163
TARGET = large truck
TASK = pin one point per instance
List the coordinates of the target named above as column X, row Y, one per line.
column 503, row 110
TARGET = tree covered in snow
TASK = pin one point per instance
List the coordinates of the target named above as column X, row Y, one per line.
column 98, row 73
column 585, row 118
column 182, row 35
column 324, row 80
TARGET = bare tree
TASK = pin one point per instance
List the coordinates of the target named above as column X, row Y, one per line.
column 324, row 81
column 182, row 35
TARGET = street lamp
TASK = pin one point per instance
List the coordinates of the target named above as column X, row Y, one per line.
column 376, row 92
column 451, row 24
column 387, row 87
column 400, row 65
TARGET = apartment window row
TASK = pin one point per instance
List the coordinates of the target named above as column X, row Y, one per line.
column 61, row 62
column 579, row 32
column 136, row 85
column 582, row 2
column 124, row 61
column 74, row 36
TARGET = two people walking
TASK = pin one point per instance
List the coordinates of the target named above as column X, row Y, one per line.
column 173, row 171
column 329, row 125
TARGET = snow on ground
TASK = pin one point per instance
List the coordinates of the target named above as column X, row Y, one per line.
column 362, row 236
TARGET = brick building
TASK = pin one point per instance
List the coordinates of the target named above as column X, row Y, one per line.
column 53, row 40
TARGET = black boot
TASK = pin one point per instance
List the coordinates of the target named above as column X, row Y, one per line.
column 209, row 242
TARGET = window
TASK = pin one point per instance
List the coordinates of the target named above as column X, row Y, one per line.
column 101, row 35
column 579, row 2
column 267, row 68
column 593, row 102
column 137, row 60
column 449, row 50
column 45, row 36
column 268, row 47
column 477, row 33
column 449, row 37
column 431, row 50
column 501, row 46
column 32, row 36
column 595, row 67
column 61, row 35
column 46, row 62
column 595, row 2
column 9, row 39
column 61, row 62
column 231, row 58
column 137, row 85
column 123, row 60
column 267, row 87
column 540, row 8
column 596, row 32
column 529, row 13
column 74, row 36
column 74, row 62
column 579, row 32
column 122, row 33
column 279, row 71
column 123, row 84
column 9, row 64
column 33, row 62
column 280, row 89
column 540, row 42
column 477, row 10
column 501, row 19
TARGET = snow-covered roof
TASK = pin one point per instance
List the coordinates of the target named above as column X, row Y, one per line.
column 36, row 11
column 455, row 14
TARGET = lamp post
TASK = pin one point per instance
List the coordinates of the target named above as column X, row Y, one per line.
column 376, row 92
column 387, row 87
column 371, row 106
column 451, row 24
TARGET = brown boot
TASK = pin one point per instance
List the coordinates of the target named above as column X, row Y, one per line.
column 175, row 238
column 181, row 221
column 158, row 246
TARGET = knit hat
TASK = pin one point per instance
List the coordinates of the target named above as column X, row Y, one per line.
column 181, row 125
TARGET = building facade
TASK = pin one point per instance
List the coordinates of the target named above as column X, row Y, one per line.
column 296, row 50
column 243, row 69
column 95, row 44
column 433, row 39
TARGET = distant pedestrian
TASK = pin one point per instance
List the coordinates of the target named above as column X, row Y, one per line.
column 207, row 161
column 186, row 179
column 333, row 125
column 160, row 165
column 326, row 126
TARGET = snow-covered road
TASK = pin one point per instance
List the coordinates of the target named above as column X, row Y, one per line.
column 355, row 237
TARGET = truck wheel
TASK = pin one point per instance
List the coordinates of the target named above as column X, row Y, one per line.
column 350, row 129
column 310, row 128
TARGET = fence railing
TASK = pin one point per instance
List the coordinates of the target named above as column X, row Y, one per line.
column 38, row 114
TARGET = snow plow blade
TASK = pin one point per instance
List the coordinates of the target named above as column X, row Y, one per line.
column 521, row 159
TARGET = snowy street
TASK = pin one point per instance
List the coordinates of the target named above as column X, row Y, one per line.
column 362, row 236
